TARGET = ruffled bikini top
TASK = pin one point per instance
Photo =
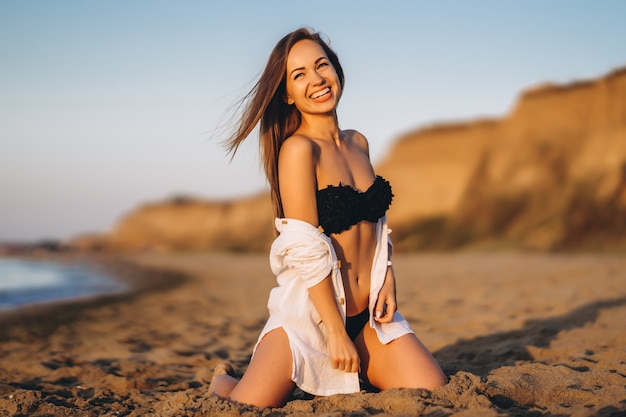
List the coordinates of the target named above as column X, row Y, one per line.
column 339, row 207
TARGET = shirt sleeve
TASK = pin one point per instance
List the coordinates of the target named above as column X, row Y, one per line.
column 308, row 257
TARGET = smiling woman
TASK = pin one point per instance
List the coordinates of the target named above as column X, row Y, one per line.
column 333, row 319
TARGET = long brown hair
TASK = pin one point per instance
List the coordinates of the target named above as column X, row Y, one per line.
column 266, row 103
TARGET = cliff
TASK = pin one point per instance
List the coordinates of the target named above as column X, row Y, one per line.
column 550, row 175
column 190, row 224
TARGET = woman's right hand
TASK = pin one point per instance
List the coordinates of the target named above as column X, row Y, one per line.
column 343, row 353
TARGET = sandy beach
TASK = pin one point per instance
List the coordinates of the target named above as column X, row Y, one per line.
column 517, row 334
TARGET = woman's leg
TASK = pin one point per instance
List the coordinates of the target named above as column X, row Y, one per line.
column 267, row 381
column 402, row 363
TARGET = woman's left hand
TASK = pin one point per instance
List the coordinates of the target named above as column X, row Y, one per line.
column 386, row 303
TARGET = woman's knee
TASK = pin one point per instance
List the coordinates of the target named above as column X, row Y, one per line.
column 403, row 363
column 430, row 377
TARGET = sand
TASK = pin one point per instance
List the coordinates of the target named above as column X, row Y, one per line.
column 517, row 334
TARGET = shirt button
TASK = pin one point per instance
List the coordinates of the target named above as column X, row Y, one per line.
column 342, row 301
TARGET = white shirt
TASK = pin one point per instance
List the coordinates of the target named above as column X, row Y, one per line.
column 302, row 257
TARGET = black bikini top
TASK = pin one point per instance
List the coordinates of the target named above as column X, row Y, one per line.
column 340, row 206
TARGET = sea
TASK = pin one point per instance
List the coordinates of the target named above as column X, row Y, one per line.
column 26, row 282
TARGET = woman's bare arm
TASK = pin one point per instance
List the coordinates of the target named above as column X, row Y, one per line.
column 296, row 173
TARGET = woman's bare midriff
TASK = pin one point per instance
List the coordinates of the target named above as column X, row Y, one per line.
column 355, row 249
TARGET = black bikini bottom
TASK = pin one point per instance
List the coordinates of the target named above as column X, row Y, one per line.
column 354, row 324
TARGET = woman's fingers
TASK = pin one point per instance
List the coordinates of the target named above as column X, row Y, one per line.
column 343, row 353
column 385, row 310
column 347, row 365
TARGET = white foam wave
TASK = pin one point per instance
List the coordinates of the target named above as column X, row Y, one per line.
column 22, row 275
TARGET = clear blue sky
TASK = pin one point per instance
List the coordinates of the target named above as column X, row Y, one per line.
column 105, row 105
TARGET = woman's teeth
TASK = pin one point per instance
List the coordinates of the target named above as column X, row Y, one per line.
column 321, row 93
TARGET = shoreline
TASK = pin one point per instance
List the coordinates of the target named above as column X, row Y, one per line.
column 47, row 315
column 516, row 333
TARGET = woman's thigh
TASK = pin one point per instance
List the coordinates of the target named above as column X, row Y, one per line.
column 402, row 363
column 267, row 380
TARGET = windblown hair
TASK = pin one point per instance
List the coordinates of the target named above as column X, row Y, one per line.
column 266, row 103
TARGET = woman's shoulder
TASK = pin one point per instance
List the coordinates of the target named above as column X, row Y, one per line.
column 298, row 146
column 358, row 139
column 297, row 139
column 296, row 152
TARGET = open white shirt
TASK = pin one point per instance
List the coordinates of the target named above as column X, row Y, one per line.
column 302, row 257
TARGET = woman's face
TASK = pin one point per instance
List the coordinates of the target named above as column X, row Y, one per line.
column 311, row 81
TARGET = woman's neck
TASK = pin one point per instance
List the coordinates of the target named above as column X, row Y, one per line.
column 325, row 127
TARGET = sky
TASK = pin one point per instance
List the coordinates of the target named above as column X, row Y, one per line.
column 108, row 105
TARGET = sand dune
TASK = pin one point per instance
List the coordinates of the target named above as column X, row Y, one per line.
column 518, row 334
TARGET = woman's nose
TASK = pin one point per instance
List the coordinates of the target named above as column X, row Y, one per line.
column 316, row 78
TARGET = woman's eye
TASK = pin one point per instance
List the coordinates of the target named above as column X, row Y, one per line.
column 298, row 76
column 323, row 64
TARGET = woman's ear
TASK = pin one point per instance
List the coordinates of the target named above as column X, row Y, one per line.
column 288, row 100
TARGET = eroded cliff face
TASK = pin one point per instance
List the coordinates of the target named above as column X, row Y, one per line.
column 550, row 175
column 190, row 224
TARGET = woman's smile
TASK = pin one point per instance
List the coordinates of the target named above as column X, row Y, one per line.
column 323, row 93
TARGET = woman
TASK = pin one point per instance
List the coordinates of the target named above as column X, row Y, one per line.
column 333, row 316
